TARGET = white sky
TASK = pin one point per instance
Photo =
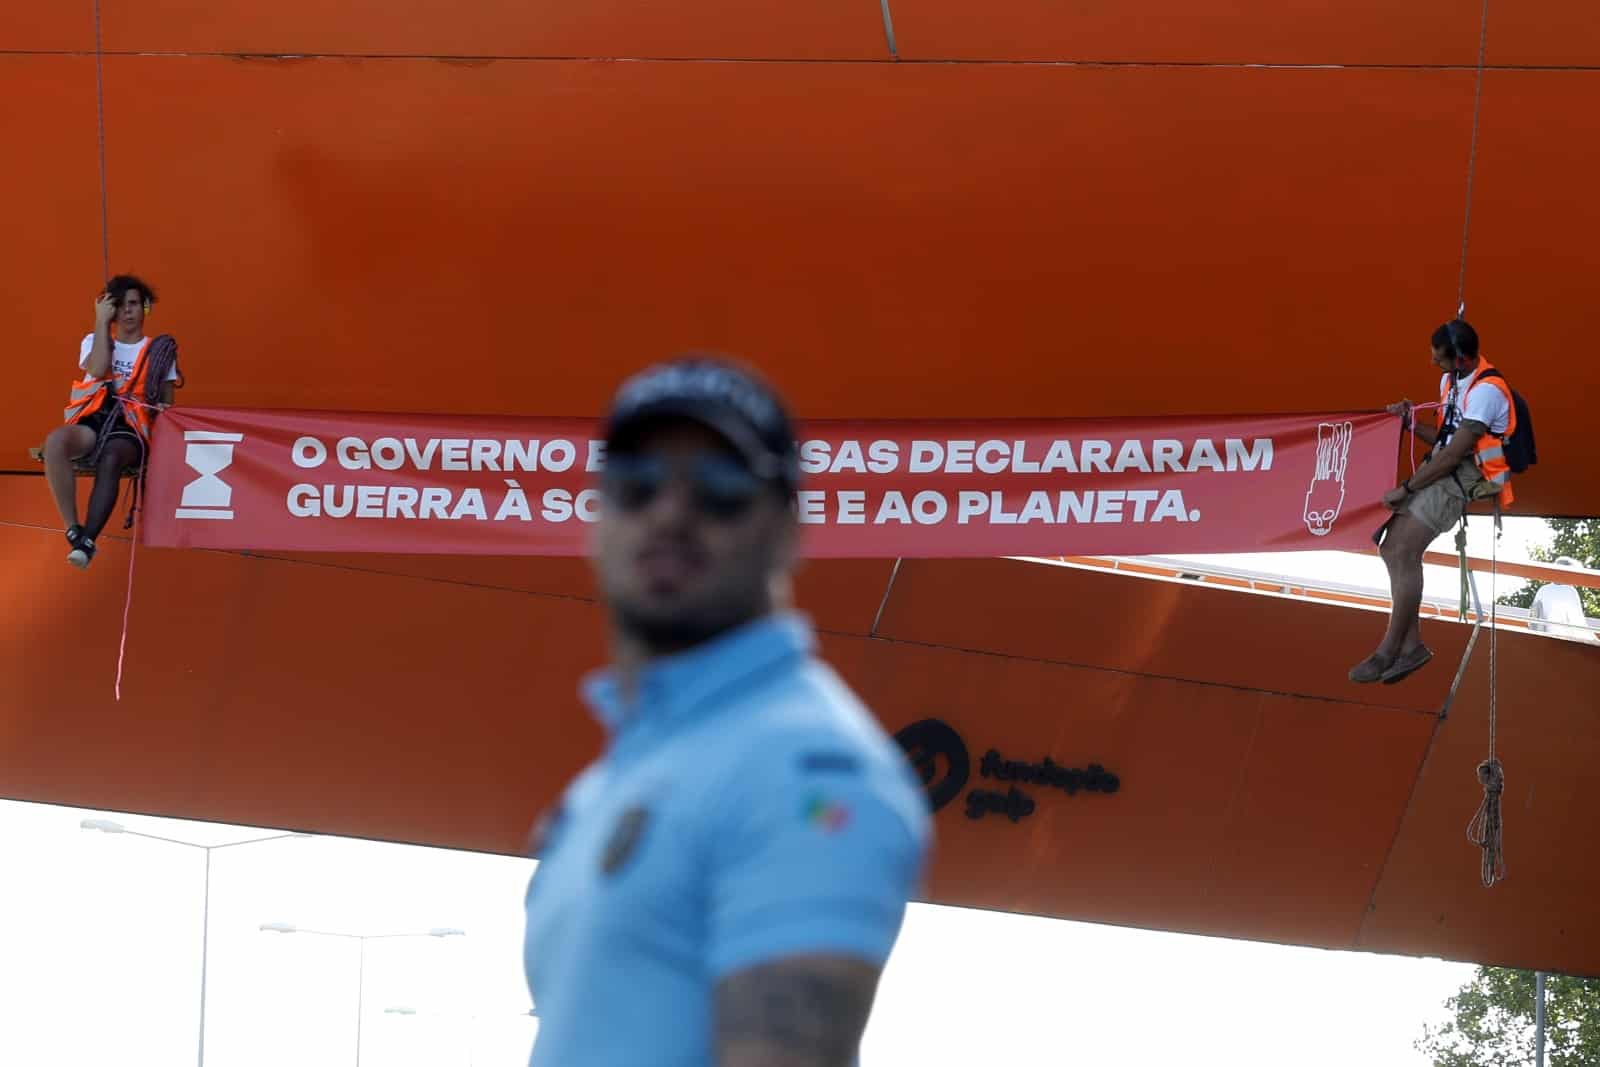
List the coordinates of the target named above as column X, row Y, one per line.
column 100, row 935
column 100, row 943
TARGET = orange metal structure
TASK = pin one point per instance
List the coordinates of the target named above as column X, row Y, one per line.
column 1017, row 209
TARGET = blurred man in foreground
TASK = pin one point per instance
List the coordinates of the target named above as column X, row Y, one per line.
column 724, row 884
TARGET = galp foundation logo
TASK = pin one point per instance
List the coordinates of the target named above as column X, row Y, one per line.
column 940, row 759
column 208, row 496
column 1326, row 495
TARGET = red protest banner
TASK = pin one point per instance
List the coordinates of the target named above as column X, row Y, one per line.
column 479, row 485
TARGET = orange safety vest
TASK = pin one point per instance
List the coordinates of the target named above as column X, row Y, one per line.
column 89, row 395
column 1490, row 452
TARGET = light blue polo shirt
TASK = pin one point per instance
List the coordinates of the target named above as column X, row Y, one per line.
column 748, row 807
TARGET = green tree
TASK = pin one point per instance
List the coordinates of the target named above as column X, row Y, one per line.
column 1494, row 1022
column 1578, row 538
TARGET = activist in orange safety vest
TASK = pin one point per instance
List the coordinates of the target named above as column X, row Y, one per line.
column 1467, row 462
column 108, row 416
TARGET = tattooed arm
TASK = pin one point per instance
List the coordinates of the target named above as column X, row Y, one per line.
column 811, row 854
column 801, row 1011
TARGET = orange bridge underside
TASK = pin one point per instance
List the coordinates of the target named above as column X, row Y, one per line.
column 432, row 700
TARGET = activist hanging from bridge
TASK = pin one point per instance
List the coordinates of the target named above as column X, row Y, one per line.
column 127, row 380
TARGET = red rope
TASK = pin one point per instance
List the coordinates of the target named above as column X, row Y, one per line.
column 1413, row 427
column 127, row 604
column 133, row 550
column 163, row 354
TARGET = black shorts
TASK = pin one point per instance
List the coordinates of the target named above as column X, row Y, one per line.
column 118, row 426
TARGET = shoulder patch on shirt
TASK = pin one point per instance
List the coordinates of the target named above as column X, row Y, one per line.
column 825, row 762
column 624, row 839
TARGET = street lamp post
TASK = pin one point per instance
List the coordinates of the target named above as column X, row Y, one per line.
column 1538, row 1019
column 361, row 966
column 108, row 826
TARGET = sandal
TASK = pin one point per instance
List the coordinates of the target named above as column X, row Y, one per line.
column 1370, row 669
column 1407, row 662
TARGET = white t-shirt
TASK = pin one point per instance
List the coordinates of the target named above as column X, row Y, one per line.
column 122, row 357
column 1485, row 404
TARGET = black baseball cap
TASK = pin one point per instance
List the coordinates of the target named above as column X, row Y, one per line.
column 730, row 400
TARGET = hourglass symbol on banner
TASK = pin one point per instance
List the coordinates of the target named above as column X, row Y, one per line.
column 208, row 497
column 1326, row 495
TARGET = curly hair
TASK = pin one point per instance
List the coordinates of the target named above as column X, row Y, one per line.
column 123, row 284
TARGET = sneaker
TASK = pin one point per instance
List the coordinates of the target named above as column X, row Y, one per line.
column 82, row 552
column 1407, row 662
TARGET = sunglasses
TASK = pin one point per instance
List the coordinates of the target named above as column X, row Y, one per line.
column 721, row 487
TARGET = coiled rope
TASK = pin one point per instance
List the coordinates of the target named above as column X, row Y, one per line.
column 1487, row 826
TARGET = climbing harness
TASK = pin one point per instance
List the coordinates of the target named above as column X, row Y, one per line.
column 160, row 359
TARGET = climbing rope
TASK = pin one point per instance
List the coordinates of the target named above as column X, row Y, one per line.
column 1487, row 825
column 1411, row 425
column 100, row 102
column 162, row 357
column 1472, row 161
column 127, row 606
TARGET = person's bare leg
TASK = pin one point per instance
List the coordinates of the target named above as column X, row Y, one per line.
column 118, row 453
column 65, row 444
column 1402, row 552
column 1413, row 635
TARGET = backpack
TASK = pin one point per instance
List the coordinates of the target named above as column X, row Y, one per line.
column 1520, row 450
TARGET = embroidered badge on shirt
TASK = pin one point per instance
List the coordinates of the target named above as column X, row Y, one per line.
column 624, row 839
column 829, row 815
